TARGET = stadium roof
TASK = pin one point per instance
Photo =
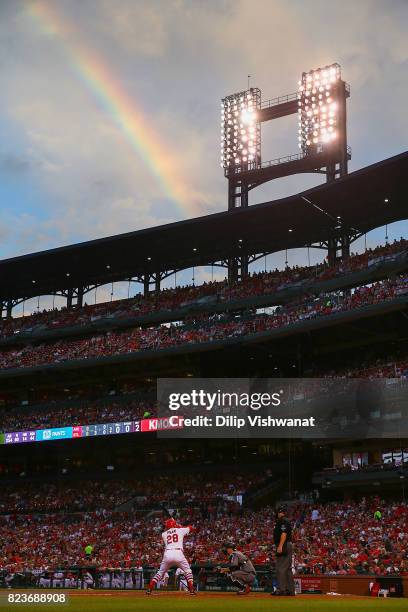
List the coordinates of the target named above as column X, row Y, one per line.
column 365, row 199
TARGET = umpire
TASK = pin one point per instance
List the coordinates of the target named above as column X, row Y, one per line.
column 282, row 537
column 240, row 569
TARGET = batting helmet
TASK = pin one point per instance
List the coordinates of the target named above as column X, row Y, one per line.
column 170, row 523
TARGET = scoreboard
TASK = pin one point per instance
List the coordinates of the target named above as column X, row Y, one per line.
column 87, row 431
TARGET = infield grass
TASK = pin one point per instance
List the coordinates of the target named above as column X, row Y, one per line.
column 248, row 604
column 115, row 602
column 230, row 603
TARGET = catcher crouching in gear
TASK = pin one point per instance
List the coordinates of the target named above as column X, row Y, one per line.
column 240, row 570
column 173, row 537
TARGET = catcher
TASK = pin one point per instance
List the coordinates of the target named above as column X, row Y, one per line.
column 240, row 570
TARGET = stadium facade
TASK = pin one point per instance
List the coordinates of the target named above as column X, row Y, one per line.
column 77, row 386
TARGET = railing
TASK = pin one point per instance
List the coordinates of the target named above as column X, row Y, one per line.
column 75, row 578
column 206, row 578
column 290, row 98
column 279, row 100
column 137, row 578
column 282, row 160
column 267, row 164
column 276, row 162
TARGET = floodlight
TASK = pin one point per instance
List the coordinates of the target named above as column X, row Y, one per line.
column 240, row 131
column 318, row 109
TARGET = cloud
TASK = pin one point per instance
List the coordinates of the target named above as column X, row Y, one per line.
column 176, row 59
column 136, row 28
column 12, row 164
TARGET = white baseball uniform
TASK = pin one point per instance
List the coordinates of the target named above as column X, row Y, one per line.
column 182, row 580
column 88, row 580
column 117, row 580
column 104, row 580
column 44, row 582
column 174, row 553
column 58, row 581
column 164, row 581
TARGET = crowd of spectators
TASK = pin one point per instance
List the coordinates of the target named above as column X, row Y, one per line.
column 369, row 537
column 350, row 539
column 360, row 467
column 46, row 525
column 133, row 406
column 84, row 413
column 169, row 299
column 147, row 492
column 63, row 496
column 201, row 330
column 81, row 392
column 380, row 368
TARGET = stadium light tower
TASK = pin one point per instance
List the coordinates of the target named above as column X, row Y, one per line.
column 240, row 138
column 320, row 103
column 322, row 117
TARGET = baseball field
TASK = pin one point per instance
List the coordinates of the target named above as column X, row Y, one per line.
column 116, row 601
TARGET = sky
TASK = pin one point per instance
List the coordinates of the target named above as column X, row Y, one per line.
column 110, row 111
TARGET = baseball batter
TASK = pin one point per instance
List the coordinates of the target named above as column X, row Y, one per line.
column 173, row 538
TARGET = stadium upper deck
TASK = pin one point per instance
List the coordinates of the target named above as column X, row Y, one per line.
column 255, row 291
column 363, row 200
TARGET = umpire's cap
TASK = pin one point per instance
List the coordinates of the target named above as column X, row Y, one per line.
column 282, row 509
column 226, row 546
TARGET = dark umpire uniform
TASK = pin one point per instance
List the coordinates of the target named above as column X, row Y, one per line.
column 282, row 537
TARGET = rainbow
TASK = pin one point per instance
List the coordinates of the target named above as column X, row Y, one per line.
column 110, row 95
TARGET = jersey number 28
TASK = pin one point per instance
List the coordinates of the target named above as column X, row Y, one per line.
column 172, row 538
